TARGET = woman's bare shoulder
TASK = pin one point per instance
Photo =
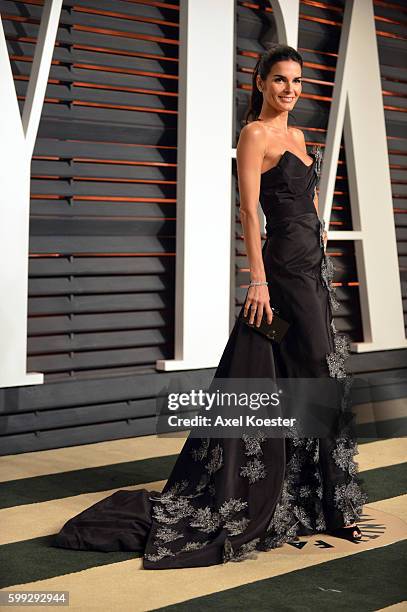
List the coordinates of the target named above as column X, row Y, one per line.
column 298, row 134
column 252, row 133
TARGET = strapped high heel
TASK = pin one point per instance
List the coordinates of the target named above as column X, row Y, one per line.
column 353, row 534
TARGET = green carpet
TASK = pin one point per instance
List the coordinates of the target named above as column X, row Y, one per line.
column 76, row 482
column 368, row 580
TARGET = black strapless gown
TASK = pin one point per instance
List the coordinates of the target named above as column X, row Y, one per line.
column 227, row 498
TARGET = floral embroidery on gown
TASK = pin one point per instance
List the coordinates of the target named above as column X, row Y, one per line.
column 228, row 498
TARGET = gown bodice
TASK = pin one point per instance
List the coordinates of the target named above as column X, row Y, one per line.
column 293, row 228
column 287, row 189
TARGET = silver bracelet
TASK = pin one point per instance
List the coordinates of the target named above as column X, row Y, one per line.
column 256, row 283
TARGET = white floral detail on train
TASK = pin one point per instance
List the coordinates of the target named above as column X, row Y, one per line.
column 349, row 498
column 172, row 506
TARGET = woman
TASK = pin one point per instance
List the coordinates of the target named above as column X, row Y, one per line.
column 227, row 498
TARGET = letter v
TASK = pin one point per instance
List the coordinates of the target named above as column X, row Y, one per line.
column 17, row 139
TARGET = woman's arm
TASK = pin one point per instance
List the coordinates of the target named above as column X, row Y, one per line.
column 316, row 200
column 325, row 233
column 249, row 156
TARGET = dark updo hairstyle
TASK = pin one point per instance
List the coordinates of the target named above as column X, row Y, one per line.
column 275, row 53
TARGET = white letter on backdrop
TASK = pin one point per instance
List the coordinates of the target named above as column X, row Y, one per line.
column 17, row 138
column 357, row 105
column 204, row 185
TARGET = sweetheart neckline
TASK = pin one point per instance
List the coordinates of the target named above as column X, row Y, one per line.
column 294, row 155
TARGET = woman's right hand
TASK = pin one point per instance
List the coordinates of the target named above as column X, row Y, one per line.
column 258, row 300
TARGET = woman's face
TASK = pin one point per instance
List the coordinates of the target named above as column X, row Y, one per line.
column 282, row 87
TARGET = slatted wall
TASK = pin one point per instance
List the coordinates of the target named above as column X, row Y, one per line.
column 102, row 225
column 103, row 205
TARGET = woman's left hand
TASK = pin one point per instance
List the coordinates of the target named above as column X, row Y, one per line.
column 325, row 238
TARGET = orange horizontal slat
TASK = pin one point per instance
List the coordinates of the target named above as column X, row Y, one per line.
column 158, row 75
column 103, row 198
column 124, row 34
column 105, row 87
column 124, row 16
column 144, row 109
column 126, row 53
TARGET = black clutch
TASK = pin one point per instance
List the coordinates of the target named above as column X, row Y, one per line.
column 275, row 330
